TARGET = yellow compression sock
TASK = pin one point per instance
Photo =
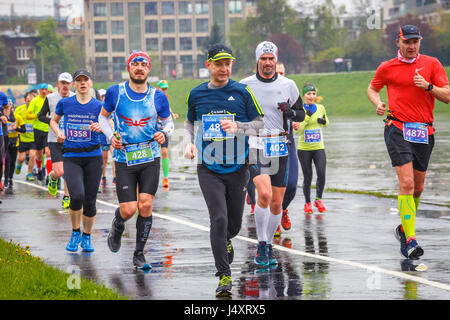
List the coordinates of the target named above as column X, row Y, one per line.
column 417, row 201
column 407, row 208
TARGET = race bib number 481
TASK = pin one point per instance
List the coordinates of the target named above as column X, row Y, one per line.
column 212, row 128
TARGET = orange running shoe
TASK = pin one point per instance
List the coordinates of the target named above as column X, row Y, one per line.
column 285, row 221
column 319, row 205
column 308, row 208
column 165, row 183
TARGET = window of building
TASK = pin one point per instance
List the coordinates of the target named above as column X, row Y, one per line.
column 235, row 6
column 201, row 6
column 185, row 25
column 187, row 63
column 22, row 53
column 151, row 44
column 116, row 9
column 185, row 7
column 201, row 25
column 101, row 65
column 168, row 43
column 119, row 64
column 101, row 45
column 168, row 26
column 151, row 26
column 251, row 3
column 99, row 9
column 201, row 43
column 118, row 45
column 99, row 27
column 168, row 7
column 117, row 27
column 185, row 43
column 151, row 8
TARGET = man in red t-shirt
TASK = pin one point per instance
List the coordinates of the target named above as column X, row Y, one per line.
column 413, row 83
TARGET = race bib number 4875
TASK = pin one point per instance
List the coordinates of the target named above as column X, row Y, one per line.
column 415, row 132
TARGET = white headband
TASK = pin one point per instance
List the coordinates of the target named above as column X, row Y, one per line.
column 266, row 47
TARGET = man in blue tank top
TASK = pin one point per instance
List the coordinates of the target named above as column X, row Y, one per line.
column 137, row 108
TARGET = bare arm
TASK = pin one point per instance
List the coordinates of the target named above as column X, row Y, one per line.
column 54, row 125
column 374, row 97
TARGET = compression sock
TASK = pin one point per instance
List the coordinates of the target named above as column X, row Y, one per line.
column 272, row 225
column 39, row 163
column 143, row 226
column 48, row 165
column 407, row 210
column 261, row 219
column 417, row 201
column 165, row 167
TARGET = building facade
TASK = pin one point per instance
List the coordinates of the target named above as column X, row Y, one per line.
column 428, row 9
column 175, row 32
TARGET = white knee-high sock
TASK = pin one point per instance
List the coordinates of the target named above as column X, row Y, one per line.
column 261, row 219
column 272, row 225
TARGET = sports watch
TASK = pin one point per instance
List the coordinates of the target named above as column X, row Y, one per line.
column 430, row 87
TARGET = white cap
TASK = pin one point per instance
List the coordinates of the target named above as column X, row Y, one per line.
column 65, row 76
column 266, row 47
column 102, row 92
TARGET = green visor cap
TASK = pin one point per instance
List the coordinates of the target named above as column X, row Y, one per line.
column 220, row 51
column 308, row 88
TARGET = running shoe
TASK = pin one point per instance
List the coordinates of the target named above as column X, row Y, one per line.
column 40, row 175
column 18, row 168
column 252, row 209
column 52, row 186
column 86, row 243
column 165, row 183
column 247, row 199
column 272, row 259
column 285, row 221
column 1, row 184
column 103, row 182
column 115, row 236
column 262, row 257
column 319, row 205
column 224, row 288
column 400, row 236
column 230, row 252
column 413, row 250
column 277, row 232
column 66, row 202
column 74, row 241
column 139, row 261
column 308, row 208
column 29, row 177
column 10, row 183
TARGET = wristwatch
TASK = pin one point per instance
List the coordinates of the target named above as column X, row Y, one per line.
column 430, row 87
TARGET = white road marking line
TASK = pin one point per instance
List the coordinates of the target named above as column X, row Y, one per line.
column 397, row 274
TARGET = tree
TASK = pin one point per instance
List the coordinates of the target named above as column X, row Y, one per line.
column 368, row 51
column 442, row 31
column 292, row 54
column 215, row 36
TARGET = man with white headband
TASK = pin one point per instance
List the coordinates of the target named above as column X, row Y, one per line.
column 269, row 152
column 137, row 107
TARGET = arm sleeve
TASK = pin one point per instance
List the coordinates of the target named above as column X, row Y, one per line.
column 251, row 127
column 105, row 125
column 299, row 110
column 42, row 115
column 188, row 132
column 191, row 110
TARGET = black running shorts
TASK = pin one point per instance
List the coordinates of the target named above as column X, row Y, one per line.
column 128, row 178
column 402, row 151
column 276, row 168
column 56, row 151
column 40, row 139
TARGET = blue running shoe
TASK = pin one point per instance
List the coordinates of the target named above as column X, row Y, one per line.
column 400, row 236
column 413, row 250
column 262, row 257
column 139, row 261
column 271, row 256
column 74, row 241
column 18, row 168
column 86, row 243
column 29, row 177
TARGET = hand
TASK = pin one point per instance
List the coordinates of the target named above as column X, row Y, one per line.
column 60, row 137
column 159, row 137
column 229, row 126
column 381, row 108
column 285, row 107
column 296, row 125
column 174, row 115
column 116, row 141
column 189, row 151
column 4, row 119
column 420, row 81
column 322, row 120
column 95, row 126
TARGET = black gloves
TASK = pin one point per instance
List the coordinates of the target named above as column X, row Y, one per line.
column 322, row 120
column 285, row 107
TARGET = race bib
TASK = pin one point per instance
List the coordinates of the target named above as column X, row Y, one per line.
column 10, row 129
column 275, row 147
column 138, row 153
column 78, row 132
column 28, row 128
column 212, row 128
column 313, row 136
column 415, row 132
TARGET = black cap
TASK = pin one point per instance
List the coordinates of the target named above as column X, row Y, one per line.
column 409, row 32
column 219, row 51
column 82, row 72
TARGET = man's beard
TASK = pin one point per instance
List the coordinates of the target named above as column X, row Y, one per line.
column 138, row 81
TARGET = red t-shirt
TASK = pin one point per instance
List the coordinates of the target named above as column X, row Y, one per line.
column 406, row 101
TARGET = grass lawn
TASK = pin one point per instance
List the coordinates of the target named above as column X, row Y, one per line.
column 24, row 277
column 343, row 93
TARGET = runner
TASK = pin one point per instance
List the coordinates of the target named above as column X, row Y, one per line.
column 5, row 109
column 311, row 148
column 413, row 82
column 137, row 107
column 270, row 172
column 106, row 146
column 26, row 139
column 40, row 129
column 225, row 109
column 163, row 86
column 82, row 157
column 63, row 87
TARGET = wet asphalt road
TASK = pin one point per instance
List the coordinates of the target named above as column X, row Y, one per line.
column 348, row 253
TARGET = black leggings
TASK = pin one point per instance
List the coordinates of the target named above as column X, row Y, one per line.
column 225, row 197
column 10, row 160
column 306, row 158
column 82, row 175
